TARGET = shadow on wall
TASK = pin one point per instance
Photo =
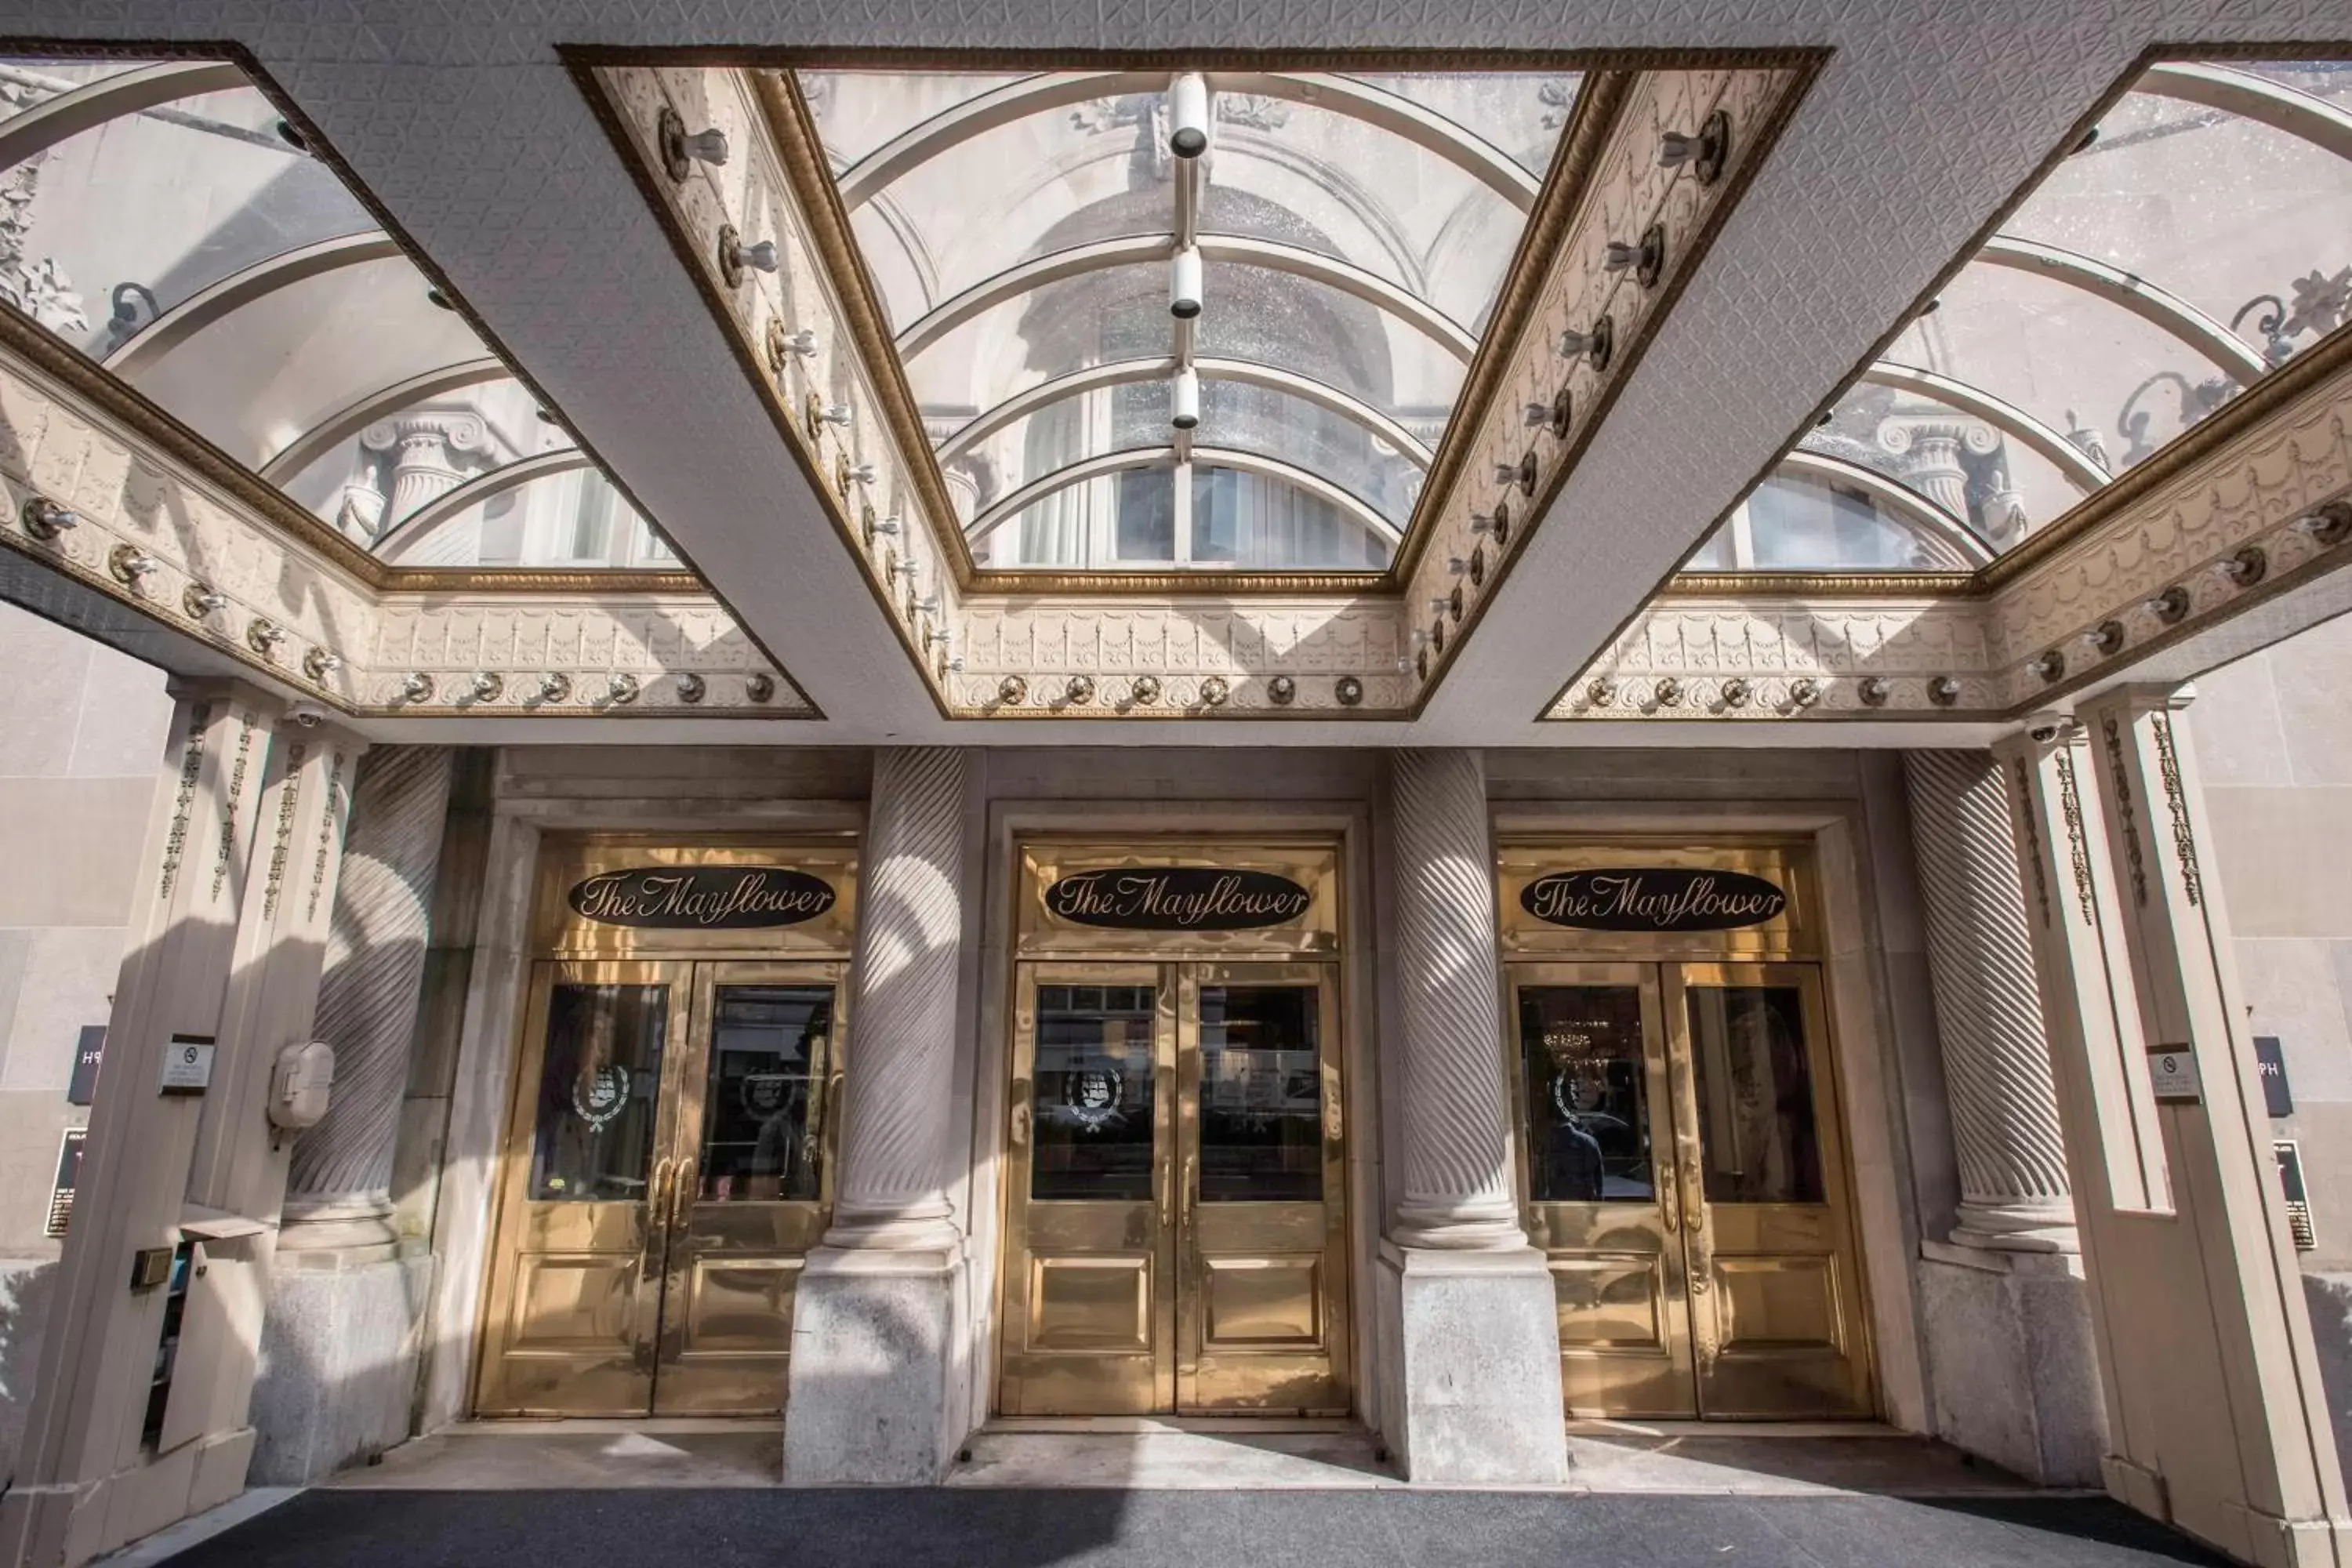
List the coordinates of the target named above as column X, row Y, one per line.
column 2329, row 1298
column 25, row 1289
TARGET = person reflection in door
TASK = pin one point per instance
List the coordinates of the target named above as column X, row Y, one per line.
column 1572, row 1162
column 782, row 1105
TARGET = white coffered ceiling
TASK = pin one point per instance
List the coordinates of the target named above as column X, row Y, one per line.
column 463, row 124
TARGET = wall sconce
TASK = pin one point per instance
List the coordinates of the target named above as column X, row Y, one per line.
column 1281, row 690
column 1943, row 691
column 1011, row 692
column 681, row 152
column 838, row 414
column 1595, row 346
column 1874, row 690
column 200, row 601
column 1079, row 691
column 2171, row 606
column 2329, row 526
column 45, row 519
column 1646, row 260
column 1348, row 690
column 759, row 685
column 622, row 688
column 2050, row 666
column 1494, row 524
column 2246, row 568
column 734, row 255
column 1804, row 692
column 1736, row 693
column 416, row 686
column 263, row 636
column 1705, row 152
column 864, row 474
column 129, row 564
column 1214, row 691
column 1145, row 691
column 1601, row 692
column 487, row 686
column 691, row 688
column 318, row 664
column 783, row 345
column 554, row 686
column 2106, row 638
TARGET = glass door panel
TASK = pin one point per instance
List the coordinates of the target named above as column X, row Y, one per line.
column 1597, row 1130
column 1261, row 1245
column 575, row 1306
column 749, row 1190
column 1089, row 1290
column 1775, row 1292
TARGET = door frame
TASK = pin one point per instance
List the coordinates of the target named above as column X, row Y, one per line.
column 1870, row 1005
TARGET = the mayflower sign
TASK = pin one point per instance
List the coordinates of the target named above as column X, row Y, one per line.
column 1652, row 898
column 702, row 898
column 1178, row 898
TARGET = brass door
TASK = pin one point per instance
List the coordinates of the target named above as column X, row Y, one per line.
column 1175, row 1236
column 668, row 1166
column 1776, row 1289
column 1685, row 1172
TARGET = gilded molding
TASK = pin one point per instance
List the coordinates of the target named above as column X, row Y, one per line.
column 2125, row 819
column 2184, row 841
column 2078, row 848
column 192, row 764
column 2021, row 803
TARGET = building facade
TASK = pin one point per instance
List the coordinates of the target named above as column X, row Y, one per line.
column 1172, row 819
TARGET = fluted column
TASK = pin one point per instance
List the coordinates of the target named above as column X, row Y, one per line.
column 898, row 1115
column 2014, row 1192
column 339, row 1188
column 1458, row 1191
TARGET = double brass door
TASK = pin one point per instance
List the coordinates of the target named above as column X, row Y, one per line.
column 667, row 1168
column 1686, row 1174
column 1175, row 1234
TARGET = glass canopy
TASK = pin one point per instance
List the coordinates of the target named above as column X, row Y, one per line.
column 2198, row 240
column 163, row 220
column 1159, row 320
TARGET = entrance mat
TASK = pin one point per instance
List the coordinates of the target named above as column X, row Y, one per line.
column 977, row 1527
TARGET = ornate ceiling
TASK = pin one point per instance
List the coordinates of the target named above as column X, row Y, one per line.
column 525, row 164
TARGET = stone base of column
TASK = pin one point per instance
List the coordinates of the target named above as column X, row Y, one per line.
column 2015, row 1362
column 340, row 1348
column 1471, row 1353
column 2017, row 1226
column 876, row 1351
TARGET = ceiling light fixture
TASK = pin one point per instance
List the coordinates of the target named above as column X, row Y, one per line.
column 1185, row 284
column 1184, row 405
column 1188, row 115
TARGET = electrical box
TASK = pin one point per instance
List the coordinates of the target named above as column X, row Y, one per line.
column 299, row 1085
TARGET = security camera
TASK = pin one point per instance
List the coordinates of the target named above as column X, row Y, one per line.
column 309, row 715
column 2047, row 727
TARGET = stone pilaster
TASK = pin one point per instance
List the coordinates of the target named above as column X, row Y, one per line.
column 2014, row 1193
column 338, row 1354
column 1469, row 1325
column 228, row 937
column 2216, row 1422
column 874, row 1325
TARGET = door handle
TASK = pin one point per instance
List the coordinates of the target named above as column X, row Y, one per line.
column 1184, row 1198
column 682, row 1193
column 1701, row 1251
column 1159, row 1189
column 1669, row 1206
column 657, row 1195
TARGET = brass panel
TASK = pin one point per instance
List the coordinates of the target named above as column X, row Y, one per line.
column 740, row 1308
column 1090, row 1304
column 1263, row 1304
column 574, row 1306
column 1314, row 865
column 565, row 862
column 1794, row 933
column 1612, row 1301
column 1779, row 1304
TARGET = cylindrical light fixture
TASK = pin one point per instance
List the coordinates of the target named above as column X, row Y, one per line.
column 1184, row 410
column 1188, row 115
column 1185, row 284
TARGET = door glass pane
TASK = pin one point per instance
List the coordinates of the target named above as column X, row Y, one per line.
column 1755, row 1088
column 762, row 1113
column 597, row 1083
column 1094, row 1093
column 1261, row 1095
column 1587, row 1084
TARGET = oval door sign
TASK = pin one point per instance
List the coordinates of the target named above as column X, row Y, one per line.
column 1652, row 898
column 702, row 898
column 1178, row 898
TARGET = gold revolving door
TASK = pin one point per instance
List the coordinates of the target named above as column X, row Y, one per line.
column 1683, row 1160
column 668, row 1157
column 1175, row 1234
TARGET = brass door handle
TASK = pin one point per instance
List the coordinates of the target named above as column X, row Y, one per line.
column 1159, row 1189
column 1701, row 1253
column 1670, row 1210
column 1184, row 1198
column 682, row 1193
column 657, row 1195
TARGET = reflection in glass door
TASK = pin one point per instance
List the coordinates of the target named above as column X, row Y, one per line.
column 1174, row 1239
column 668, row 1169
column 1684, row 1173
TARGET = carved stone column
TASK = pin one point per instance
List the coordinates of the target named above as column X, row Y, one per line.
column 1475, row 1390
column 2216, row 1419
column 2014, row 1193
column 428, row 447
column 339, row 1352
column 872, row 1399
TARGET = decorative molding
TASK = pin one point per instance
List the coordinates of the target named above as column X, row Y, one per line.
column 299, row 614
column 192, row 766
column 290, row 800
column 2184, row 841
column 2021, row 801
column 2078, row 848
column 2125, row 819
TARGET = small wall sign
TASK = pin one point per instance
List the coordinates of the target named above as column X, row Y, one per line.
column 2173, row 1073
column 702, row 898
column 2298, row 1201
column 61, row 1194
column 187, row 1065
column 1178, row 898
column 1652, row 898
column 2270, row 1058
column 82, row 1087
